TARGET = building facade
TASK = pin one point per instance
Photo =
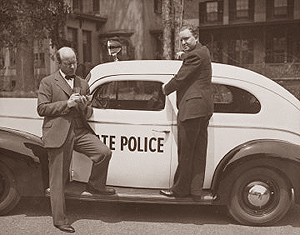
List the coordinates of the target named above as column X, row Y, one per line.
column 132, row 22
column 90, row 25
column 262, row 35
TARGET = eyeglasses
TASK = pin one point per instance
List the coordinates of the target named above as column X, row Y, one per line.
column 69, row 64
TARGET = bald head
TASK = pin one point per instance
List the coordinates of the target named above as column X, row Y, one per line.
column 64, row 52
column 66, row 58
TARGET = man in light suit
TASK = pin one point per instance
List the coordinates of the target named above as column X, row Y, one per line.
column 63, row 102
column 195, row 107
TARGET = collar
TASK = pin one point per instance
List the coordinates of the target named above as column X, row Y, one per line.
column 67, row 77
column 62, row 74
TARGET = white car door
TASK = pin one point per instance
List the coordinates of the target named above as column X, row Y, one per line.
column 136, row 121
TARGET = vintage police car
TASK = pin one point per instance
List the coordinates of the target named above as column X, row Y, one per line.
column 253, row 162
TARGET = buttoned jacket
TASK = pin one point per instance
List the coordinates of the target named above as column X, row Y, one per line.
column 193, row 85
column 53, row 95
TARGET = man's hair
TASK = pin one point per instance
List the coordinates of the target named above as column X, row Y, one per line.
column 193, row 29
column 58, row 57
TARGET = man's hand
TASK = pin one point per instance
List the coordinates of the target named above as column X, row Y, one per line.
column 89, row 99
column 179, row 55
column 85, row 101
column 82, row 101
column 74, row 99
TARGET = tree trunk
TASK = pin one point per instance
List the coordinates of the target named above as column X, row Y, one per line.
column 24, row 67
column 178, row 17
column 167, row 29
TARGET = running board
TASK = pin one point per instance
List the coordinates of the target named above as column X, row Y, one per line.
column 77, row 190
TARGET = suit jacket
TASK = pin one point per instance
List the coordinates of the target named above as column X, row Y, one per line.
column 53, row 95
column 193, row 85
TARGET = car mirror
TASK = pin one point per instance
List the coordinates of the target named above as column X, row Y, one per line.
column 114, row 47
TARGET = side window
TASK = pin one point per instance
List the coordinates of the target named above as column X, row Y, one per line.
column 129, row 95
column 230, row 99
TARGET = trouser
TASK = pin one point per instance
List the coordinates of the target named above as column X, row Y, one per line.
column 84, row 142
column 192, row 148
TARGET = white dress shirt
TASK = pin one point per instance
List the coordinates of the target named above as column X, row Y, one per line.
column 69, row 81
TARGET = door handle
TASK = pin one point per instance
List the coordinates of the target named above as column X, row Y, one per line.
column 162, row 131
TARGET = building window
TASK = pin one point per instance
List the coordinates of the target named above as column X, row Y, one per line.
column 158, row 6
column 279, row 49
column 39, row 60
column 2, row 58
column 72, row 38
column 211, row 12
column 87, row 45
column 12, row 58
column 294, row 44
column 124, row 50
column 96, row 5
column 240, row 52
column 216, row 51
column 241, row 10
column 282, row 45
column 278, row 9
column 276, row 47
column 77, row 6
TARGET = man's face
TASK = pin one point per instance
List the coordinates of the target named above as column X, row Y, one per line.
column 68, row 63
column 188, row 41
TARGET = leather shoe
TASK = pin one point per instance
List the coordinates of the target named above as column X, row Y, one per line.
column 104, row 191
column 170, row 193
column 65, row 228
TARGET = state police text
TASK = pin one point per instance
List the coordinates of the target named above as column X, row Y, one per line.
column 133, row 143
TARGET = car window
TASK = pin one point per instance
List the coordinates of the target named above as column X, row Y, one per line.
column 129, row 95
column 230, row 99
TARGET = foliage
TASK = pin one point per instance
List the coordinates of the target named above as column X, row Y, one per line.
column 22, row 20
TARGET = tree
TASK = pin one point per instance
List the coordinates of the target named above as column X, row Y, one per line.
column 22, row 22
column 167, row 29
column 178, row 18
column 172, row 17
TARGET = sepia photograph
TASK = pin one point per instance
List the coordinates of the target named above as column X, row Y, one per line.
column 146, row 117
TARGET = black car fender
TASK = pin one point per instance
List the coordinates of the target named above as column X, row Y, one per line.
column 282, row 156
column 23, row 153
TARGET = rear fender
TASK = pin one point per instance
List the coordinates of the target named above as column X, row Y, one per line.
column 282, row 156
column 24, row 154
column 21, row 145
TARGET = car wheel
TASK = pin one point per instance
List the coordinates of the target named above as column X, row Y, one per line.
column 9, row 196
column 259, row 196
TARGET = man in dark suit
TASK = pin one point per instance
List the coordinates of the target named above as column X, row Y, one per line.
column 195, row 107
column 63, row 102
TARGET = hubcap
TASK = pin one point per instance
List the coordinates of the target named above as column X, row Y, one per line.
column 259, row 194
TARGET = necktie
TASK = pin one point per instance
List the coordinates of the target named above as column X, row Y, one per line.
column 70, row 77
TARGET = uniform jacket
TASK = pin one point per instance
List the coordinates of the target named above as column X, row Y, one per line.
column 193, row 85
column 53, row 95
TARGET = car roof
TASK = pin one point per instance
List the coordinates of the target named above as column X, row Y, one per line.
column 171, row 67
column 136, row 67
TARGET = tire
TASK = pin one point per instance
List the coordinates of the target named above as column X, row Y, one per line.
column 9, row 196
column 259, row 196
